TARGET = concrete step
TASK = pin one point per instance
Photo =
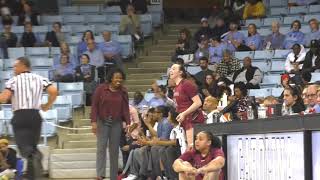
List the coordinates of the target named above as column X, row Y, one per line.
column 140, row 81
column 72, row 157
column 76, row 151
column 161, row 53
column 146, row 70
column 75, row 173
column 183, row 25
column 80, row 144
column 82, row 122
column 167, row 41
column 80, row 137
column 74, row 165
column 155, row 58
column 163, row 47
column 141, row 88
column 155, row 64
column 142, row 75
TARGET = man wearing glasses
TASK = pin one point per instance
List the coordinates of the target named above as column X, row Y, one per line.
column 313, row 106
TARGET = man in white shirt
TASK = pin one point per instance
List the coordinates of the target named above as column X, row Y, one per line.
column 295, row 59
column 210, row 106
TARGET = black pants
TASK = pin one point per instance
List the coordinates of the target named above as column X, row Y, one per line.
column 26, row 125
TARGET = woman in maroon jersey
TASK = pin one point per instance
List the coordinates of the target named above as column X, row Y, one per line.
column 204, row 162
column 187, row 101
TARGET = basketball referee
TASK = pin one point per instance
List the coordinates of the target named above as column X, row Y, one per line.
column 25, row 92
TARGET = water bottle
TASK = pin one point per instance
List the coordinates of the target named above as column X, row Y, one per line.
column 250, row 113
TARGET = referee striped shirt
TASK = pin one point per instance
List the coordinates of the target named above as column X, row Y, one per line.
column 27, row 90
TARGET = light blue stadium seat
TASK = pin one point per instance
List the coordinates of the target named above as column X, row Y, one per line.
column 114, row 29
column 80, row 29
column 41, row 31
column 272, row 79
column 50, row 116
column 63, row 105
column 276, row 92
column 278, row 65
column 284, row 29
column 268, row 21
column 92, row 9
column 257, row 22
column 148, row 96
column 96, row 19
column 41, row 63
column 37, row 52
column 298, row 10
column 193, row 69
column 69, row 10
column 260, row 93
column 49, row 20
column 278, row 11
column 311, row 16
column 17, row 29
column 126, row 45
column 281, row 53
column 264, row 31
column 2, row 124
column 263, row 65
column 66, row 29
column 76, row 90
column 162, row 82
column 113, row 20
column 157, row 14
column 289, row 19
column 43, row 73
column 74, row 40
column 314, row 8
column 73, row 19
column 278, row 3
column 1, row 65
column 264, row 54
column 16, row 52
column 242, row 54
column 305, row 29
column 5, row 118
column 8, row 64
column 315, row 77
column 98, row 39
column 146, row 24
column 112, row 10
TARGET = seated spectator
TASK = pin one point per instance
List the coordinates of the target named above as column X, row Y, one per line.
column 275, row 39
column 9, row 154
column 96, row 58
column 270, row 100
column 238, row 7
column 63, row 72
column 314, row 34
column 241, row 97
column 203, row 31
column 10, row 37
column 312, row 60
column 293, row 102
column 130, row 24
column 254, row 9
column 254, row 40
column 5, row 8
column 82, row 45
column 233, row 38
column 210, row 87
column 216, row 50
column 215, row 11
column 203, row 50
column 160, row 98
column 230, row 17
column 201, row 76
column 228, row 65
column 192, row 165
column 111, row 50
column 85, row 72
column 210, row 107
column 138, row 101
column 28, row 14
column 295, row 36
column 295, row 59
column 56, row 36
column 312, row 106
column 65, row 50
column 139, row 5
column 250, row 75
column 29, row 38
column 285, row 83
column 184, row 44
column 220, row 28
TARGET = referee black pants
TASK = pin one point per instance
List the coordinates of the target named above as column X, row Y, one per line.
column 26, row 125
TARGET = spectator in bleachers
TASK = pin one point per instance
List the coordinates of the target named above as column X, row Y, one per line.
column 238, row 7
column 216, row 50
column 250, row 75
column 203, row 49
column 270, row 100
column 185, row 44
column 315, row 32
column 65, row 50
column 82, row 45
column 233, row 38
column 211, row 86
column 63, row 72
column 312, row 60
column 138, row 101
column 160, row 98
column 203, row 31
column 193, row 165
column 201, row 76
column 130, row 24
column 111, row 50
column 56, row 36
column 295, row 59
column 285, row 83
column 28, row 14
column 210, row 107
column 139, row 5
column 275, row 39
column 219, row 28
column 312, row 106
column 96, row 58
column 241, row 97
column 29, row 38
column 254, row 9
column 85, row 72
column 5, row 8
column 187, row 101
column 293, row 102
column 228, row 65
column 9, row 154
column 229, row 16
column 295, row 36
column 254, row 40
column 10, row 37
